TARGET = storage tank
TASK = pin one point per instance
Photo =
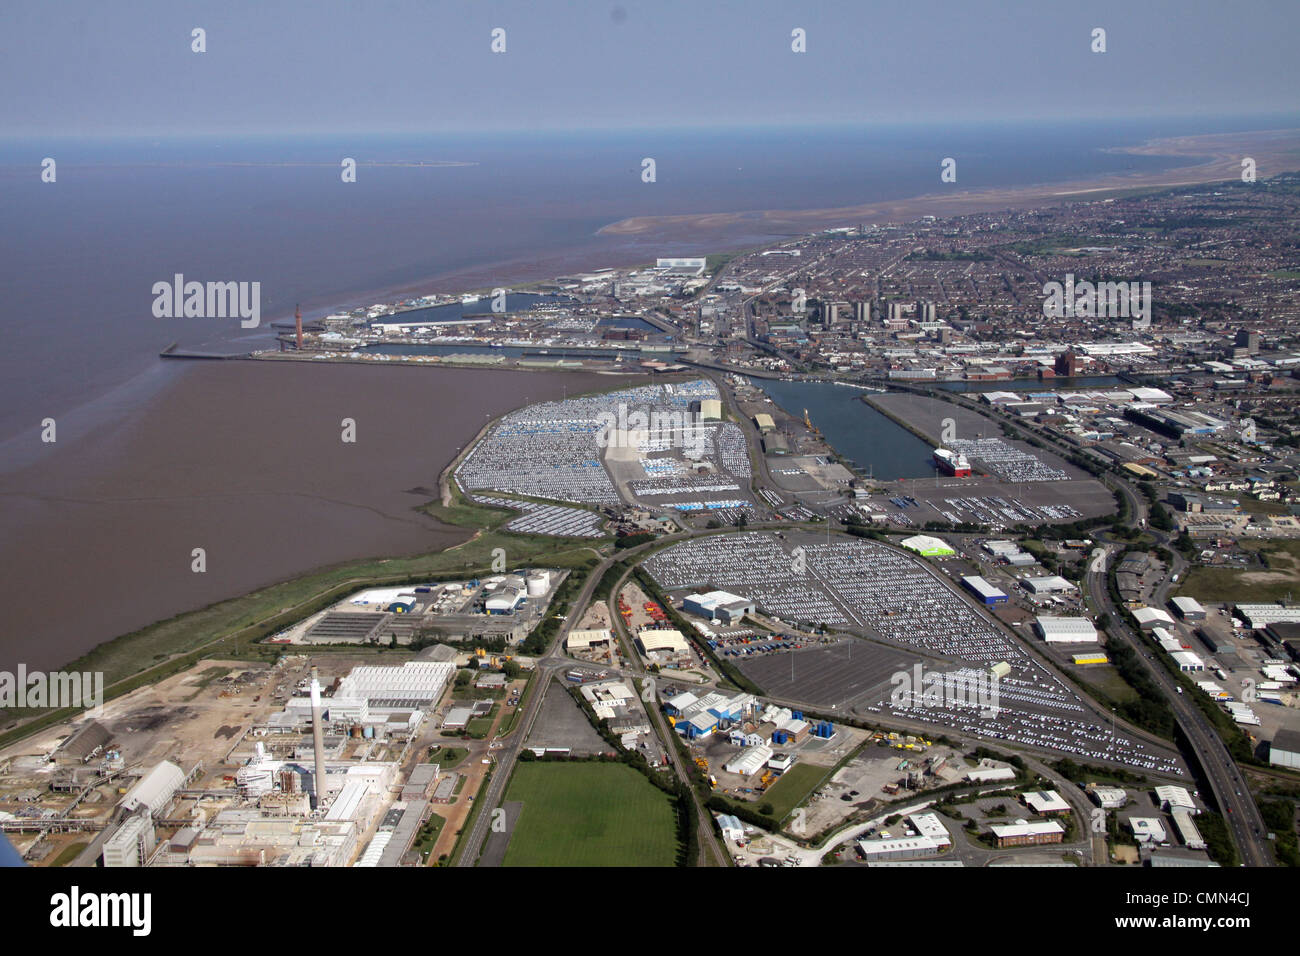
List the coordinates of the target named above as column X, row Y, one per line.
column 538, row 583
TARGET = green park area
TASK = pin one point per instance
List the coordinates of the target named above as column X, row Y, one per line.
column 589, row 814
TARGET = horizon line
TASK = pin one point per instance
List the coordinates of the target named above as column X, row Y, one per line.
column 961, row 122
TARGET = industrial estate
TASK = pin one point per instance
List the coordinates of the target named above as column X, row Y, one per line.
column 914, row 545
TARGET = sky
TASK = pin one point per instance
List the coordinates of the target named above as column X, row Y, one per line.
column 89, row 68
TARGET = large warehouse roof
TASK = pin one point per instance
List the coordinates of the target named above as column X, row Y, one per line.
column 1048, row 585
column 421, row 681
column 1172, row 796
column 1149, row 616
column 927, row 545
column 982, row 587
column 156, row 788
column 717, row 598
column 662, row 640
column 1046, row 801
column 749, row 761
column 1065, row 630
column 1261, row 615
column 587, row 638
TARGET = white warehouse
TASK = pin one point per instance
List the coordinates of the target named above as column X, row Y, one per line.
column 155, row 789
column 1065, row 630
column 749, row 761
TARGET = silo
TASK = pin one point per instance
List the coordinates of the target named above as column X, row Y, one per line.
column 539, row 583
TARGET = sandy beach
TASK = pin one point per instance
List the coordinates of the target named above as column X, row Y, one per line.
column 1274, row 151
column 243, row 459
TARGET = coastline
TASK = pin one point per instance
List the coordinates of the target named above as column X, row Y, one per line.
column 1275, row 151
column 244, row 459
column 77, row 502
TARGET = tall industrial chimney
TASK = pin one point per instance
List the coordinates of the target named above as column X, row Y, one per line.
column 297, row 322
column 317, row 739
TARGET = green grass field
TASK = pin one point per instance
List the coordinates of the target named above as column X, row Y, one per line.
column 589, row 814
column 68, row 854
column 1224, row 584
column 793, row 788
column 1107, row 681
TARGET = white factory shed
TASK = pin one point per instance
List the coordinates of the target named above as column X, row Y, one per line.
column 375, row 850
column 1187, row 829
column 1148, row 617
column 583, row 640
column 1000, row 548
column 347, row 802
column 1165, row 638
column 1065, row 630
column 415, row 684
column 875, row 850
column 931, row 827
column 1262, row 615
column 662, row 640
column 155, row 789
column 1110, row 798
column 749, row 761
column 1051, row 584
column 1284, row 751
column 1188, row 608
column 731, row 827
column 927, row 545
column 1152, row 396
column 457, row 718
column 718, row 605
column 1188, row 662
column 504, row 600
column 1170, row 797
column 990, row 774
column 1046, row 801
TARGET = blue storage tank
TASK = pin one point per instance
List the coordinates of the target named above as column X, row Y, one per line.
column 798, row 714
column 368, row 733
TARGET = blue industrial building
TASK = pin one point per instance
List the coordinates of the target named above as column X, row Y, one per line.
column 987, row 593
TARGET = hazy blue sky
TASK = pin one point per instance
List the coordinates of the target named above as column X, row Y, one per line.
column 89, row 66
